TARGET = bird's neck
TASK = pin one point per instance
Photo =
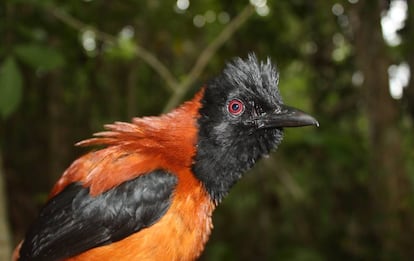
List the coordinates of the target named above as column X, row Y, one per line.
column 183, row 138
column 219, row 162
column 186, row 139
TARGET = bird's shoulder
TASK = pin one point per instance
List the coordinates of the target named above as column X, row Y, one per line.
column 106, row 168
column 133, row 149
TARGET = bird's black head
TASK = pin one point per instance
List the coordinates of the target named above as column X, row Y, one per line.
column 241, row 119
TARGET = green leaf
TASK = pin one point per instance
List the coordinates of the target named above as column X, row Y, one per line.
column 10, row 87
column 40, row 56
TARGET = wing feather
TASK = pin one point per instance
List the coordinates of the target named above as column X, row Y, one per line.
column 75, row 221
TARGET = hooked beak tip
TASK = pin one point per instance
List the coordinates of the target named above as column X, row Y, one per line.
column 303, row 119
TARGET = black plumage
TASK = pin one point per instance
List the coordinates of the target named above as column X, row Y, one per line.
column 230, row 144
column 74, row 221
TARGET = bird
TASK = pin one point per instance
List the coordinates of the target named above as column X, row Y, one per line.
column 149, row 187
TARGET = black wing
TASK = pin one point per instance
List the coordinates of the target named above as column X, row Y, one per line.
column 74, row 221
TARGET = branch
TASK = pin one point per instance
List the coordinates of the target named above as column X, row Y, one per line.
column 287, row 181
column 206, row 55
column 179, row 88
column 140, row 51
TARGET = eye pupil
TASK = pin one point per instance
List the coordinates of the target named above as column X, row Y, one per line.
column 235, row 107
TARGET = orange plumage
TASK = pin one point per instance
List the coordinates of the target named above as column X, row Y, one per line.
column 149, row 193
column 166, row 142
column 135, row 148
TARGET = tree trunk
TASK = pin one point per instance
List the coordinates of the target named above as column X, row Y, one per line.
column 390, row 186
column 131, row 90
column 5, row 242
column 58, row 147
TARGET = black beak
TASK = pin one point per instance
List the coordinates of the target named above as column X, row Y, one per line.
column 286, row 117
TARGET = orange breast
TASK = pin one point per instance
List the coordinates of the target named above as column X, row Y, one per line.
column 179, row 235
column 132, row 149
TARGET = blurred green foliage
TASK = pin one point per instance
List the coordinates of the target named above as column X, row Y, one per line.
column 63, row 77
column 10, row 87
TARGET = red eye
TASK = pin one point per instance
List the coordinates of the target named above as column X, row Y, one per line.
column 235, row 107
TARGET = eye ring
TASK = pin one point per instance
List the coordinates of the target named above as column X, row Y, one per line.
column 235, row 107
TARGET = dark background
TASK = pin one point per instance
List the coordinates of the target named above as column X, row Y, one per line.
column 342, row 191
